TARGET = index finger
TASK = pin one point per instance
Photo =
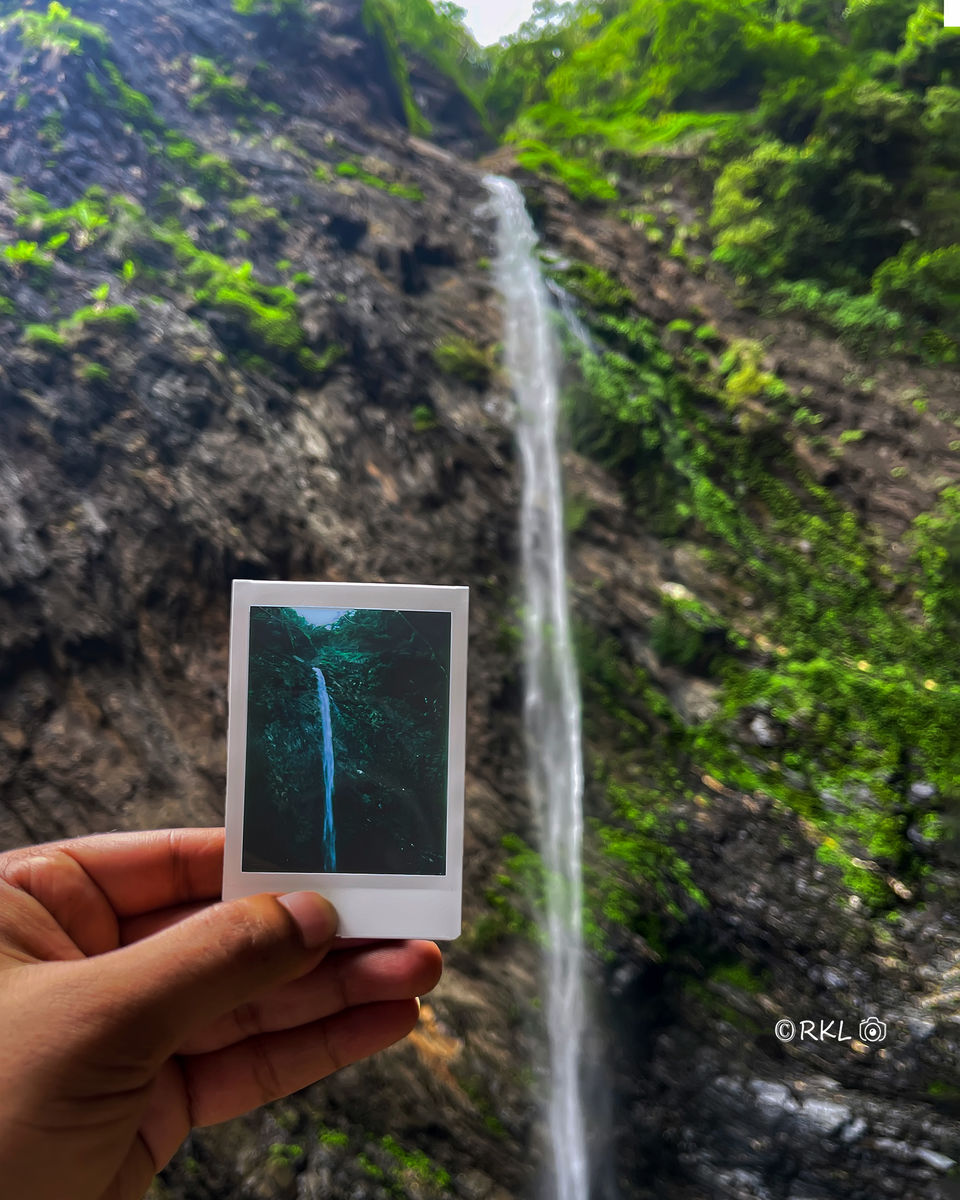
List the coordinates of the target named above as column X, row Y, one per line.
column 140, row 872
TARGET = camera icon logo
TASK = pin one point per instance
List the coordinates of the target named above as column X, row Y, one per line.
column 873, row 1031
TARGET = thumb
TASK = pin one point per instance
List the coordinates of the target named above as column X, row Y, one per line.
column 184, row 977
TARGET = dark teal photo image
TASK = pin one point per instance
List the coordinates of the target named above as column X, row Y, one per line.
column 347, row 741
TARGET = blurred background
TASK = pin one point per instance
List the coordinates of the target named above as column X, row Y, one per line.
column 253, row 323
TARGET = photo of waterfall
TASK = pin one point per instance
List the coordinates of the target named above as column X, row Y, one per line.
column 347, row 741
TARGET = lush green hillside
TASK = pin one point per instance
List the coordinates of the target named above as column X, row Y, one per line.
column 824, row 137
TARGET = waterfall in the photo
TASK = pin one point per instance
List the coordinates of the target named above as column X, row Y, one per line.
column 329, row 833
column 552, row 700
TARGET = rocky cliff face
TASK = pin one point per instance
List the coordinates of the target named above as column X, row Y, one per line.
column 172, row 418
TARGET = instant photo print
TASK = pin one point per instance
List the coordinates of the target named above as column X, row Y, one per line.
column 345, row 751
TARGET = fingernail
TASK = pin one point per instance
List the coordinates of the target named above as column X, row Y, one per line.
column 316, row 917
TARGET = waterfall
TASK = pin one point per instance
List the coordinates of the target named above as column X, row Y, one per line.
column 569, row 313
column 329, row 833
column 552, row 698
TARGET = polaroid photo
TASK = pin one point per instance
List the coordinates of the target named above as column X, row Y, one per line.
column 345, row 751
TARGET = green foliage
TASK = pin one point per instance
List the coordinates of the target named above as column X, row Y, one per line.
column 435, row 33
column 253, row 210
column 51, row 131
column 56, row 30
column 687, row 634
column 640, row 868
column 580, row 179
column 380, row 21
column 576, row 512
column 273, row 323
column 283, row 9
column 352, row 170
column 416, row 1165
column 331, row 1137
column 515, row 899
column 745, row 376
column 521, row 65
column 861, row 321
column 936, row 545
column 743, row 976
column 319, row 364
column 423, row 418
column 465, row 360
column 760, row 212
column 831, row 142
column 78, row 225
column 213, row 88
column 927, row 285
column 594, row 287
column 284, row 1153
column 130, row 102
column 862, row 696
column 930, row 53
column 267, row 314
column 45, row 335
column 95, row 373
column 99, row 315
column 635, row 876
column 24, row 257
column 212, row 170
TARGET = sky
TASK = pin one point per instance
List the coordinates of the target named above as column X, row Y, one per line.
column 322, row 616
column 489, row 20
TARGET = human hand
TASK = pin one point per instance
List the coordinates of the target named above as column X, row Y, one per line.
column 133, row 1006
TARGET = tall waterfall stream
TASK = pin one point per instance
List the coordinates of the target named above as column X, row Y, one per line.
column 329, row 832
column 552, row 697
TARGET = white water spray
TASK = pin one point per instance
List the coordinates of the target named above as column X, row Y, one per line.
column 569, row 312
column 329, row 833
column 552, row 700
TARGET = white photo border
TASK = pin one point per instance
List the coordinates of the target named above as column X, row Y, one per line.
column 370, row 906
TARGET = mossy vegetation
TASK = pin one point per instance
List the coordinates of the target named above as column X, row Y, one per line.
column 465, row 360
column 396, row 1167
column 284, row 1153
column 858, row 696
column 210, row 170
column 266, row 316
column 380, row 18
column 215, row 87
column 55, row 31
column 95, row 373
column 514, row 899
column 89, row 318
column 284, row 9
column 45, row 335
column 252, row 211
column 353, row 170
column 423, row 418
column 435, row 33
column 26, row 258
